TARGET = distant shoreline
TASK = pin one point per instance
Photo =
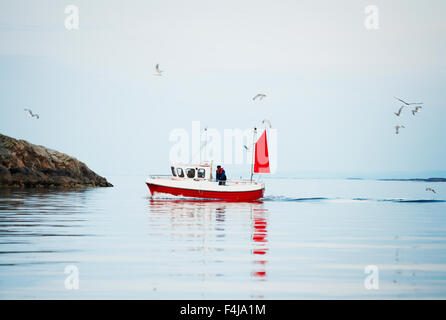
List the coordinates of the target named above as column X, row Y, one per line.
column 417, row 180
column 366, row 179
column 403, row 179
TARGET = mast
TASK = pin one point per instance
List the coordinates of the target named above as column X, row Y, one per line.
column 205, row 143
column 253, row 151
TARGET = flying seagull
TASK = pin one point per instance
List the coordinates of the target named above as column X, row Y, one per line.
column 31, row 114
column 157, row 70
column 399, row 111
column 259, row 95
column 398, row 127
column 431, row 190
column 267, row 122
column 416, row 110
column 407, row 103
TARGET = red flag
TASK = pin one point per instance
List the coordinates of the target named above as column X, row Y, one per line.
column 261, row 163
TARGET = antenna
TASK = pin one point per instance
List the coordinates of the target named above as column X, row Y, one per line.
column 253, row 151
column 205, row 143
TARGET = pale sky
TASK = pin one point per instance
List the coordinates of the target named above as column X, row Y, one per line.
column 329, row 81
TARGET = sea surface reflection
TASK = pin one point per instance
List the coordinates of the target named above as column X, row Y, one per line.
column 214, row 232
column 306, row 239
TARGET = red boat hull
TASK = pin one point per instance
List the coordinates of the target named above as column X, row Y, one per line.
column 220, row 195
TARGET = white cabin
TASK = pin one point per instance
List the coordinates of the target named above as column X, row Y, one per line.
column 192, row 171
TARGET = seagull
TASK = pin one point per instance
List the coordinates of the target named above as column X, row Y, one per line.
column 431, row 190
column 407, row 103
column 398, row 127
column 31, row 114
column 259, row 95
column 416, row 110
column 157, row 70
column 399, row 111
column 266, row 121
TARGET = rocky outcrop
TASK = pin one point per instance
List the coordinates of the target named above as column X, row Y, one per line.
column 24, row 164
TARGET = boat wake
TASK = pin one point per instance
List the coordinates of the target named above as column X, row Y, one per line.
column 165, row 196
column 323, row 199
column 285, row 199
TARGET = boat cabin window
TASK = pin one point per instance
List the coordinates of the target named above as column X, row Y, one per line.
column 173, row 171
column 190, row 173
column 200, row 173
column 180, row 172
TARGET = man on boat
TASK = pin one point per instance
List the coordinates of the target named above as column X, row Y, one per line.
column 220, row 175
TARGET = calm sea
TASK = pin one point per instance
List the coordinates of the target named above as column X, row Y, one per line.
column 309, row 239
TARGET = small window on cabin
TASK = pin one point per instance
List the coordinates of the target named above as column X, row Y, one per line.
column 200, row 173
column 180, row 172
column 190, row 173
column 173, row 171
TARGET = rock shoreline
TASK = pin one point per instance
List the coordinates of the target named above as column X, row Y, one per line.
column 23, row 164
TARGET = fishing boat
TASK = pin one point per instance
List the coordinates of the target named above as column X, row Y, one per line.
column 197, row 181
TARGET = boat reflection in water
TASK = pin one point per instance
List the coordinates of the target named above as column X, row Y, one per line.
column 260, row 241
column 213, row 240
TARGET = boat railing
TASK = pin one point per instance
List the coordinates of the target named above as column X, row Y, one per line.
column 229, row 181
column 155, row 176
column 244, row 181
